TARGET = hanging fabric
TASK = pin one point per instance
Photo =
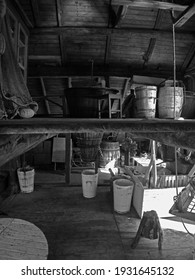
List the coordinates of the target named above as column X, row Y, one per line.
column 14, row 94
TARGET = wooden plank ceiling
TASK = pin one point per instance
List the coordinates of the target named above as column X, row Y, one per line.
column 122, row 38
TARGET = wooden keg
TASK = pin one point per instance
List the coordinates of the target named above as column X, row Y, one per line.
column 145, row 101
column 170, row 101
column 109, row 151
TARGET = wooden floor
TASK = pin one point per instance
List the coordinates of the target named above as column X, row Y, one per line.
column 88, row 229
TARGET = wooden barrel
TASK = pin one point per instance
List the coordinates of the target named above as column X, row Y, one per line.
column 89, row 144
column 83, row 102
column 145, row 101
column 170, row 106
column 109, row 151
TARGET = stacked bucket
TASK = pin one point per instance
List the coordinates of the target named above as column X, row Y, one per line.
column 170, row 101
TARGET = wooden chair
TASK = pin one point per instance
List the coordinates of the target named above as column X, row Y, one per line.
column 110, row 104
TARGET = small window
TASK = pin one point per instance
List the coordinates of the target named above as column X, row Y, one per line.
column 20, row 41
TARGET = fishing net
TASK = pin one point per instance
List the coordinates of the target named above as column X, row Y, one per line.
column 14, row 94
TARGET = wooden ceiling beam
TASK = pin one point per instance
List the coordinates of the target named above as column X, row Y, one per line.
column 45, row 95
column 159, row 19
column 125, row 88
column 179, row 133
column 189, row 58
column 108, row 48
column 152, row 42
column 151, row 4
column 36, row 12
column 99, row 70
column 19, row 9
column 190, row 71
column 104, row 31
column 70, row 125
column 185, row 16
column 59, row 12
column 12, row 146
column 61, row 38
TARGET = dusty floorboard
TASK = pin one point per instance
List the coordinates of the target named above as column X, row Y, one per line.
column 80, row 228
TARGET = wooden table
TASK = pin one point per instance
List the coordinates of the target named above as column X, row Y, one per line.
column 21, row 240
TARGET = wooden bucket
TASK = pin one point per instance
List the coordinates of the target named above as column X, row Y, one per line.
column 26, row 180
column 89, row 144
column 169, row 106
column 145, row 101
column 109, row 151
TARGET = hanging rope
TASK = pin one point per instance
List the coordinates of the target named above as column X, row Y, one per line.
column 174, row 86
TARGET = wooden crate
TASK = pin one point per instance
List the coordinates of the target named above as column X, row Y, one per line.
column 169, row 181
column 145, row 199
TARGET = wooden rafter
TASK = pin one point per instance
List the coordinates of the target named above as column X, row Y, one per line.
column 45, row 95
column 170, row 132
column 99, row 70
column 61, row 39
column 36, row 13
column 48, row 125
column 113, row 19
column 185, row 16
column 159, row 18
column 191, row 66
column 163, row 5
column 49, row 100
column 189, row 57
column 21, row 12
column 152, row 42
column 106, row 31
column 59, row 12
column 190, row 71
column 125, row 87
column 108, row 47
column 12, row 146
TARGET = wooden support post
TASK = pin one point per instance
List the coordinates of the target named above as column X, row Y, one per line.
column 147, row 174
column 154, row 168
column 45, row 95
column 68, row 153
column 68, row 144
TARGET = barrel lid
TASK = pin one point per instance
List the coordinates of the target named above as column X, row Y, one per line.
column 170, row 83
column 145, row 87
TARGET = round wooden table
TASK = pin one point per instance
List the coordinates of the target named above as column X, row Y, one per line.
column 21, row 240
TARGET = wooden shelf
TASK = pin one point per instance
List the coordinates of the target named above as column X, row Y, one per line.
column 179, row 133
column 73, row 125
column 170, row 132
